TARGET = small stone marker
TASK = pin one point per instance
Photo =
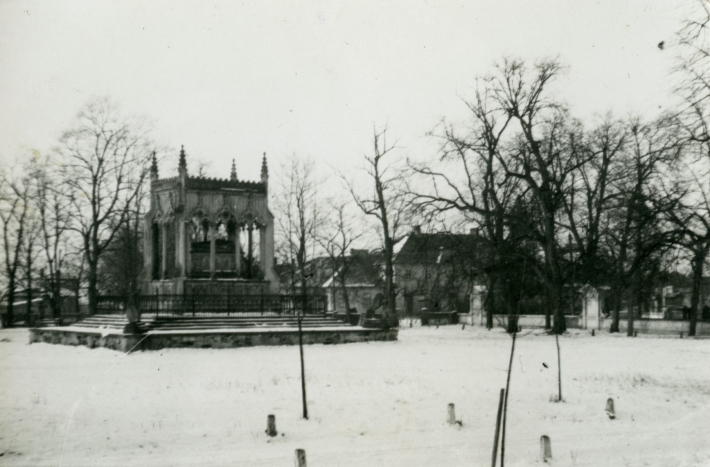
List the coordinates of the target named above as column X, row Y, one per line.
column 271, row 425
column 545, row 448
column 610, row 408
column 592, row 332
column 636, row 333
column 300, row 458
column 681, row 334
column 452, row 415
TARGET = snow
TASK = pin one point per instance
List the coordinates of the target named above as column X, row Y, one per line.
column 371, row 404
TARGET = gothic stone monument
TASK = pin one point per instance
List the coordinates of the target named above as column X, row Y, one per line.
column 208, row 236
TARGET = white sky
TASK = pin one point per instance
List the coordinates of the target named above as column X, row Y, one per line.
column 235, row 79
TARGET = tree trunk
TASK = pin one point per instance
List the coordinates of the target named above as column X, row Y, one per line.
column 92, row 285
column 490, row 301
column 10, row 313
column 559, row 325
column 697, row 263
column 615, row 312
column 548, row 307
column 345, row 296
column 630, row 315
column 29, row 319
column 29, row 283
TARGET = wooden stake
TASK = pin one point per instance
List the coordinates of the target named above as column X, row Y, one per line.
column 545, row 448
column 505, row 402
column 303, row 371
column 610, row 408
column 452, row 415
column 271, row 426
column 559, row 369
column 495, row 439
column 300, row 458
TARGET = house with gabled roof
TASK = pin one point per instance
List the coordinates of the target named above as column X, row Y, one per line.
column 436, row 271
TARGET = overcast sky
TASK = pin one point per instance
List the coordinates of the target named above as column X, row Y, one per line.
column 235, row 79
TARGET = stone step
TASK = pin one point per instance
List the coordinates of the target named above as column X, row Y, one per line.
column 188, row 323
column 231, row 326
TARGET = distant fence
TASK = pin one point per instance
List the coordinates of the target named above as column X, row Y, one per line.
column 24, row 315
column 215, row 305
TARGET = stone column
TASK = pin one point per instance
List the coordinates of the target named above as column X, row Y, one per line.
column 238, row 250
column 250, row 251
column 186, row 241
column 262, row 250
column 591, row 318
column 164, row 249
column 179, row 229
column 267, row 260
column 213, row 249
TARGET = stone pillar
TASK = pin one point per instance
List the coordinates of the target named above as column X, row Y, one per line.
column 213, row 249
column 164, row 249
column 267, row 259
column 663, row 301
column 238, row 250
column 591, row 311
column 250, row 251
column 186, row 241
column 262, row 250
column 478, row 315
column 179, row 231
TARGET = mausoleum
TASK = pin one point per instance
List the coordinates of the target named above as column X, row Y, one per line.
column 207, row 236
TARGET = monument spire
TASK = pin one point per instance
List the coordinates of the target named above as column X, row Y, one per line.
column 182, row 165
column 233, row 174
column 154, row 167
column 264, row 170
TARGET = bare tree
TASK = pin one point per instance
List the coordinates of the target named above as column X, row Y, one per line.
column 50, row 201
column 591, row 195
column 106, row 158
column 634, row 236
column 388, row 205
column 471, row 180
column 299, row 218
column 692, row 216
column 14, row 211
column 30, row 251
column 518, row 162
column 337, row 237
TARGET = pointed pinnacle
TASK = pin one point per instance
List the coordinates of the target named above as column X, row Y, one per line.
column 233, row 174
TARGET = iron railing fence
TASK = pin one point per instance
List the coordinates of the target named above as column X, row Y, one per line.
column 215, row 305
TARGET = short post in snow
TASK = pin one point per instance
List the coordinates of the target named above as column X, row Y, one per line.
column 300, row 458
column 271, row 426
column 451, row 415
column 610, row 408
column 545, row 448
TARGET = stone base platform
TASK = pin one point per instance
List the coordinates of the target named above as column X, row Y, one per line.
column 111, row 339
column 206, row 338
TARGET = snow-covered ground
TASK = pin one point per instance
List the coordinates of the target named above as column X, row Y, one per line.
column 375, row 404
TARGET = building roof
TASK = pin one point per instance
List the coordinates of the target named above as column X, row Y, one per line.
column 437, row 247
column 364, row 269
